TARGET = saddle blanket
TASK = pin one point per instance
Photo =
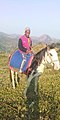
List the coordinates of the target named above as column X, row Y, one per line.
column 16, row 60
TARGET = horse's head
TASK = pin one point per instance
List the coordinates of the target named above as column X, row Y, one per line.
column 52, row 58
column 43, row 57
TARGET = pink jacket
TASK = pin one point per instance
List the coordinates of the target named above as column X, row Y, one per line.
column 27, row 42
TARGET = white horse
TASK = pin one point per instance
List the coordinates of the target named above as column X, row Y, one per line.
column 37, row 66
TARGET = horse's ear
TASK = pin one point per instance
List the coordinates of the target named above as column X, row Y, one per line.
column 48, row 47
column 52, row 46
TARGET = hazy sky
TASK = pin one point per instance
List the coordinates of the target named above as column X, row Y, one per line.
column 42, row 16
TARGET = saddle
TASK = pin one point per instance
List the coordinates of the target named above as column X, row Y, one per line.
column 16, row 60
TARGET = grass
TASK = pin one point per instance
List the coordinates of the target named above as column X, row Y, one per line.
column 13, row 105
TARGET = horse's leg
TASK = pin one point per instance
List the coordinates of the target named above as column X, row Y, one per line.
column 29, row 80
column 36, row 84
column 28, row 83
column 16, row 78
column 12, row 76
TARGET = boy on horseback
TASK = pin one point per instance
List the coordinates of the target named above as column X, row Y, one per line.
column 25, row 45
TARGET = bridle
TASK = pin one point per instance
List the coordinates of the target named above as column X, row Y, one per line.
column 52, row 61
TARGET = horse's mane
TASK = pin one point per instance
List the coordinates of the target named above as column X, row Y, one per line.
column 41, row 54
column 38, row 58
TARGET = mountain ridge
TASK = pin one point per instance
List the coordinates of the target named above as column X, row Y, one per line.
column 8, row 42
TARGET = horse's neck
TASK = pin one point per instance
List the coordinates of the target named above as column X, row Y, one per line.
column 40, row 68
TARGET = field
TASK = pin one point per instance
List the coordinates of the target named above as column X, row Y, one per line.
column 13, row 105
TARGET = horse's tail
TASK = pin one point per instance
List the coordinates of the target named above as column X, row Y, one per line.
column 10, row 56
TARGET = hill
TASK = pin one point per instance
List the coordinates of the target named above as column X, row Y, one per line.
column 10, row 42
column 45, row 39
column 7, row 42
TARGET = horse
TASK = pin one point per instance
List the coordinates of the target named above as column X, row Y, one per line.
column 45, row 56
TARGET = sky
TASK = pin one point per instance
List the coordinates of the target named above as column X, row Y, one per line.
column 42, row 16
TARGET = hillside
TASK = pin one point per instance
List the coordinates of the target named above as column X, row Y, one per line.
column 13, row 105
column 10, row 42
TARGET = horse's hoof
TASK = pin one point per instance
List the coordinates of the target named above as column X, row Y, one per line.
column 13, row 87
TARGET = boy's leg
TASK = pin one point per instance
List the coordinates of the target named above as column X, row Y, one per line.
column 23, row 62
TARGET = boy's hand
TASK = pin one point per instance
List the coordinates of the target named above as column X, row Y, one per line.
column 29, row 51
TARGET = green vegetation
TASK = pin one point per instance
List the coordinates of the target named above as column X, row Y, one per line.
column 13, row 105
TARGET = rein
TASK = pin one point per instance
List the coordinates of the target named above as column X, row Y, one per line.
column 52, row 61
column 36, row 60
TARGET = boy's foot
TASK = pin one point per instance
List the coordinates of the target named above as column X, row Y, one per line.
column 20, row 71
